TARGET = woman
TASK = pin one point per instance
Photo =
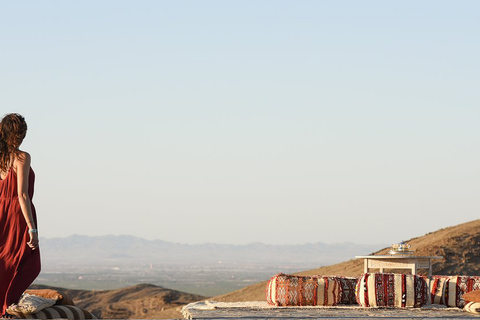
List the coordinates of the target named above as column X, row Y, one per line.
column 19, row 254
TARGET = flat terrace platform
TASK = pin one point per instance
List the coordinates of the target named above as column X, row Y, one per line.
column 258, row 310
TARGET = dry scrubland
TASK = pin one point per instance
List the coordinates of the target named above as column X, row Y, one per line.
column 458, row 245
column 142, row 301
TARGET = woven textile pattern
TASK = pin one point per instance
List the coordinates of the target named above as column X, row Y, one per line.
column 437, row 289
column 388, row 290
column 290, row 290
column 421, row 292
column 449, row 290
column 457, row 286
column 348, row 285
column 329, row 291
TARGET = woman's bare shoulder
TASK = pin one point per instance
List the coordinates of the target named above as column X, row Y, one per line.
column 23, row 158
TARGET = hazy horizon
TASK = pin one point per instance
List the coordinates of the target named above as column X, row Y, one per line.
column 217, row 243
column 245, row 121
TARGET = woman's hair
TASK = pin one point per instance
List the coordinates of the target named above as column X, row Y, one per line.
column 13, row 129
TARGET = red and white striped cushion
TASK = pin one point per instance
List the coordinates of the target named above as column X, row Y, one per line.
column 290, row 290
column 456, row 287
column 389, row 290
column 449, row 290
column 437, row 287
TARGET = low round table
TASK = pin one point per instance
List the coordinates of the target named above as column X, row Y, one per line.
column 398, row 262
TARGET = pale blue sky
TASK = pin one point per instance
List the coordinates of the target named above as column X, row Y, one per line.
column 242, row 121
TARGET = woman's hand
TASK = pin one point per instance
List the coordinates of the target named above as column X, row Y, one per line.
column 33, row 243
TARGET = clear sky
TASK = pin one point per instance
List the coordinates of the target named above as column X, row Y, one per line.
column 242, row 121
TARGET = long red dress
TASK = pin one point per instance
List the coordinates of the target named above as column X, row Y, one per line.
column 19, row 264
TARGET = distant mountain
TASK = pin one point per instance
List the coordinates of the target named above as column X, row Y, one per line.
column 458, row 245
column 114, row 250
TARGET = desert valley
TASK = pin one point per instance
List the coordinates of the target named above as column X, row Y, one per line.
column 457, row 244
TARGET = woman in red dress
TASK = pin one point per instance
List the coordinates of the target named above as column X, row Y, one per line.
column 19, row 253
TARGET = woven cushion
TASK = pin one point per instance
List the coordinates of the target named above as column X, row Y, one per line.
column 329, row 291
column 457, row 286
column 437, row 287
column 389, row 290
column 450, row 290
column 60, row 312
column 30, row 304
column 290, row 290
column 348, row 285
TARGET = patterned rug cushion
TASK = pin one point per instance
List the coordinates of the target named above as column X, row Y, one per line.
column 348, row 285
column 291, row 290
column 472, row 296
column 472, row 307
column 456, row 287
column 329, row 291
column 451, row 290
column 59, row 312
column 389, row 290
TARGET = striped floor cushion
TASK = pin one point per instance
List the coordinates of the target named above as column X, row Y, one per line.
column 449, row 290
column 329, row 291
column 290, row 290
column 59, row 312
column 389, row 290
column 437, row 287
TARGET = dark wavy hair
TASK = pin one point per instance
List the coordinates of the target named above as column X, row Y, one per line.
column 13, row 130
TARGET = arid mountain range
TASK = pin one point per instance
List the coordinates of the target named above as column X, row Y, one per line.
column 118, row 250
column 459, row 245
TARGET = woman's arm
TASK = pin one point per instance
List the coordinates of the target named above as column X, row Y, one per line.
column 22, row 165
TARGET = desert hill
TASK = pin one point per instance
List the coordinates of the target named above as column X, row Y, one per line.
column 142, row 301
column 459, row 245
